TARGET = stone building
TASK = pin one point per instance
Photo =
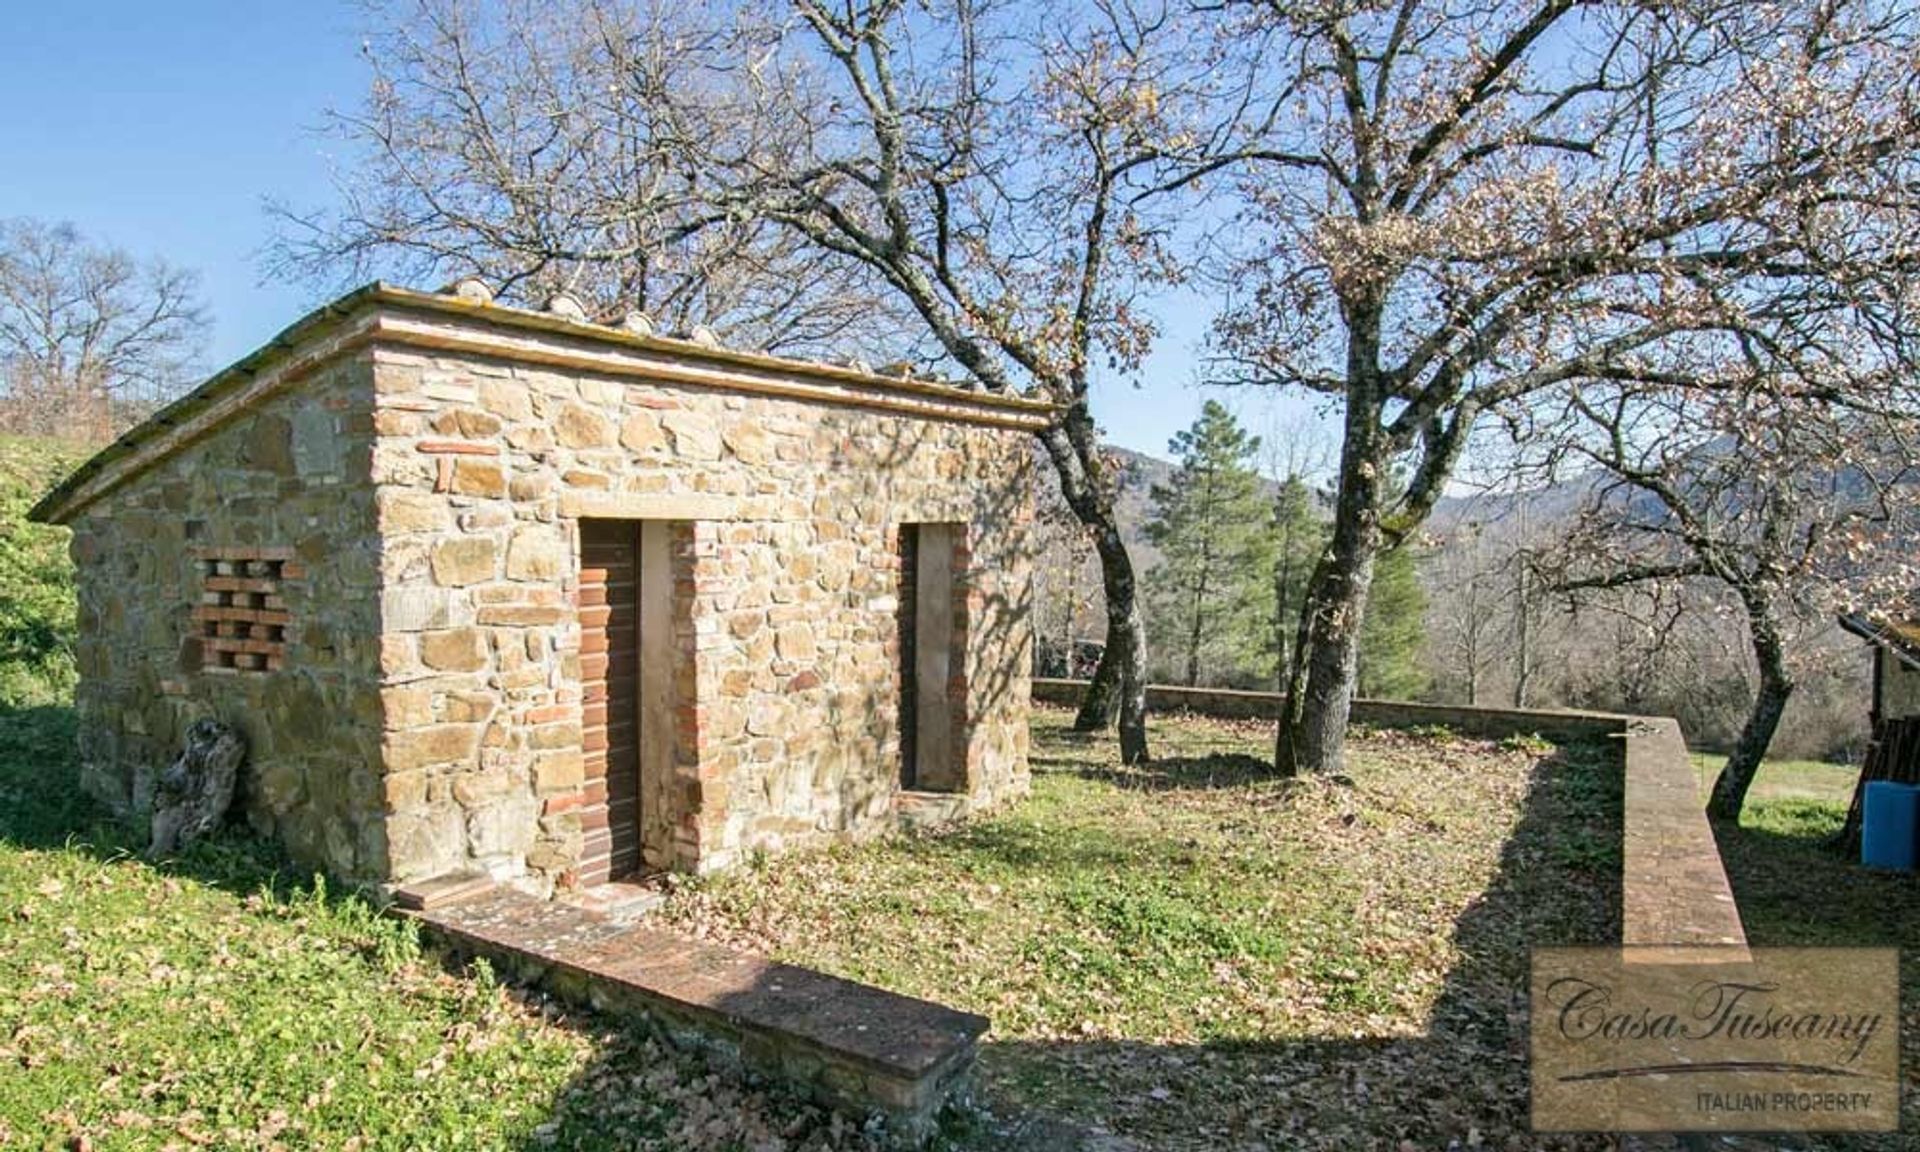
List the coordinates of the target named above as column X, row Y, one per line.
column 505, row 592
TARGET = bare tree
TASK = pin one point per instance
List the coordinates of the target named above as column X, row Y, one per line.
column 1465, row 610
column 1788, row 502
column 547, row 147
column 1459, row 206
column 808, row 175
column 1065, row 578
column 1010, row 172
column 91, row 339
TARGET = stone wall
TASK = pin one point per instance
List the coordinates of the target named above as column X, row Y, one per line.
column 783, row 520
column 1554, row 723
column 285, row 482
column 361, row 547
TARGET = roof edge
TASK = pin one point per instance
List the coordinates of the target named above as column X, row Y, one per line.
column 54, row 507
column 1879, row 635
column 935, row 400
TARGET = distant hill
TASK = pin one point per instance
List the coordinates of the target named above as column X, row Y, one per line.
column 1139, row 473
column 1134, row 507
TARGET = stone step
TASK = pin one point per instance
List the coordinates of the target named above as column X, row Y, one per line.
column 851, row 1046
column 918, row 810
column 622, row 901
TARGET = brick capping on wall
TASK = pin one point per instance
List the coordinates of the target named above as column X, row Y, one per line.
column 1674, row 888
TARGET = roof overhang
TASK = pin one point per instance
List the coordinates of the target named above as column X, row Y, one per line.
column 381, row 315
column 1889, row 636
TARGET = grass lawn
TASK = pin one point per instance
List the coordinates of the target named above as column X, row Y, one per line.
column 1814, row 780
column 1794, row 890
column 1196, row 956
column 209, row 1002
column 1191, row 955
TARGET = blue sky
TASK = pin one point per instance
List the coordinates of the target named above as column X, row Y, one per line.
column 162, row 128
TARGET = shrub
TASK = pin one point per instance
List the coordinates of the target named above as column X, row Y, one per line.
column 36, row 577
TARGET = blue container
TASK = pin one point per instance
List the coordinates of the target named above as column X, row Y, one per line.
column 1889, row 825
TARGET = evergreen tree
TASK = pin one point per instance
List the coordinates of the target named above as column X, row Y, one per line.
column 1391, row 636
column 1212, row 592
column 1298, row 537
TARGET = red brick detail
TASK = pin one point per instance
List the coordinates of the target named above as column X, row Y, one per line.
column 242, row 618
column 564, row 802
column 457, row 448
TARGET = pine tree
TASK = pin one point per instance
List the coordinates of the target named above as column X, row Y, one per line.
column 1298, row 537
column 1212, row 591
column 1394, row 629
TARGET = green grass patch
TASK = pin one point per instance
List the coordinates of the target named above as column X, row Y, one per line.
column 1195, row 953
column 1813, row 780
column 217, row 1001
column 36, row 579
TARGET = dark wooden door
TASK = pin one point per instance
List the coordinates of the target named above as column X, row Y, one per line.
column 927, row 648
column 610, row 675
column 908, row 671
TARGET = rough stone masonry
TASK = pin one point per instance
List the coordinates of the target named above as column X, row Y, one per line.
column 361, row 546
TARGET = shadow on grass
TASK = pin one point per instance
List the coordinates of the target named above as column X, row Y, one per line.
column 1033, row 848
column 1174, row 773
column 1794, row 887
column 1462, row 1073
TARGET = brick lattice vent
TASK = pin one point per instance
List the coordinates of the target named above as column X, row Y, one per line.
column 242, row 613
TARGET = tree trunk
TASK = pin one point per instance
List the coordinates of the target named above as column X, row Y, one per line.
column 1283, row 653
column 1523, row 645
column 1119, row 686
column 1763, row 718
column 1315, row 740
column 1313, row 733
column 1294, row 689
column 1194, row 635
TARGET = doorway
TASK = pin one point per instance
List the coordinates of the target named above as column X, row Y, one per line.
column 927, row 659
column 610, row 699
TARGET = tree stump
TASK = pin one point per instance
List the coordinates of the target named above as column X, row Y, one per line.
column 192, row 795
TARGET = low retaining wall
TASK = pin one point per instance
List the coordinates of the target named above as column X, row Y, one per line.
column 851, row 1046
column 1673, row 887
column 1553, row 723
